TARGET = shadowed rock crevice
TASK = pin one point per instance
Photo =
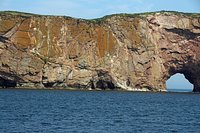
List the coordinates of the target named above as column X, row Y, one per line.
column 183, row 32
column 48, row 85
column 3, row 39
column 103, row 81
column 196, row 27
column 8, row 80
column 102, row 84
column 5, row 83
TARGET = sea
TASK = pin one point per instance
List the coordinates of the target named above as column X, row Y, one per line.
column 67, row 111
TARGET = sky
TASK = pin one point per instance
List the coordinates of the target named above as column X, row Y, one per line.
column 178, row 81
column 97, row 8
column 89, row 9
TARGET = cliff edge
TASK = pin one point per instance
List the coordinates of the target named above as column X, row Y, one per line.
column 125, row 51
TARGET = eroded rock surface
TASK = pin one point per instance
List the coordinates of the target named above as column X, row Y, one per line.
column 130, row 52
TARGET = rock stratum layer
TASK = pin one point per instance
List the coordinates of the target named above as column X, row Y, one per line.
column 124, row 51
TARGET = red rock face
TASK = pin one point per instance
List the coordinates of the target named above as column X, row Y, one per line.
column 131, row 52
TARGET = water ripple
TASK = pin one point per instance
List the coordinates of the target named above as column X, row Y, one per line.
column 97, row 111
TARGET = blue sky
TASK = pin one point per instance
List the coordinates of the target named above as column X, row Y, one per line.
column 178, row 81
column 98, row 8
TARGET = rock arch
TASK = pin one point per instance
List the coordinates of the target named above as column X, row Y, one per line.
column 190, row 71
column 134, row 51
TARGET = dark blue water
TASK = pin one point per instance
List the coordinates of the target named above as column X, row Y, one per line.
column 60, row 111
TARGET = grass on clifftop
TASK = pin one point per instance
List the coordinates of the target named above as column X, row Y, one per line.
column 18, row 13
column 102, row 19
column 24, row 14
column 98, row 20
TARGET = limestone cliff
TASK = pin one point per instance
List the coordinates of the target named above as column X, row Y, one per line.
column 126, row 51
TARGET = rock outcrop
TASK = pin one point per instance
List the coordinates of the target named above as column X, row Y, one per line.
column 125, row 51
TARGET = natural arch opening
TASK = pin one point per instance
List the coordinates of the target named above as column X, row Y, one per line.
column 178, row 83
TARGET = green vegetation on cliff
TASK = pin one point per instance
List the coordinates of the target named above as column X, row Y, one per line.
column 17, row 13
column 102, row 19
column 97, row 20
